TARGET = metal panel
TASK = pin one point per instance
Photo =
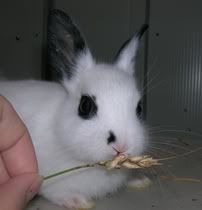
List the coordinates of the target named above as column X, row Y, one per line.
column 21, row 38
column 175, row 58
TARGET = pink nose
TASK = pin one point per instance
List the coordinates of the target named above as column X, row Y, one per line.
column 119, row 148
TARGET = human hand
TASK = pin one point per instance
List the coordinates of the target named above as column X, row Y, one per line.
column 19, row 181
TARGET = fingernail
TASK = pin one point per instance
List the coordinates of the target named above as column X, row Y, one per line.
column 34, row 188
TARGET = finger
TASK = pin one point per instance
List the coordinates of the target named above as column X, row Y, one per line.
column 20, row 158
column 11, row 126
column 4, row 176
column 16, row 193
column 16, row 149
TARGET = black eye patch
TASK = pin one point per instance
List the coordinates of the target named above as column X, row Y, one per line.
column 87, row 107
column 139, row 110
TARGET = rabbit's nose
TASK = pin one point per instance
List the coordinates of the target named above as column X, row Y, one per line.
column 120, row 148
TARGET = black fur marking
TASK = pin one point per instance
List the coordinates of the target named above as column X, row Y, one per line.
column 87, row 107
column 65, row 43
column 139, row 110
column 121, row 49
column 111, row 138
column 142, row 31
column 138, row 35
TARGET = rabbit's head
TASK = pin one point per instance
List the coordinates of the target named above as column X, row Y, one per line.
column 105, row 110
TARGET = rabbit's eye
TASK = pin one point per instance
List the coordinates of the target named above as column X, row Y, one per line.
column 87, row 107
column 139, row 110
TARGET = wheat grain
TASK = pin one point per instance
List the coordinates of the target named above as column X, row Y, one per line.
column 119, row 161
column 130, row 162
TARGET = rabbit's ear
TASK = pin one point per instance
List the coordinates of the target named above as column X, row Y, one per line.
column 66, row 46
column 125, row 58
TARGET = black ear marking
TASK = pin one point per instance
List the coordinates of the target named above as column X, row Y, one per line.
column 137, row 35
column 125, row 58
column 142, row 30
column 139, row 110
column 65, row 42
column 121, row 49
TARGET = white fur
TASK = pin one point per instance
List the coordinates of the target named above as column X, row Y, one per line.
column 63, row 140
column 126, row 60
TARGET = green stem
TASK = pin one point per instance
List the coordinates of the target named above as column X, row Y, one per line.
column 94, row 164
column 68, row 170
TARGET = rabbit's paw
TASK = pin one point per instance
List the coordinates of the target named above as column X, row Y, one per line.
column 78, row 203
column 139, row 183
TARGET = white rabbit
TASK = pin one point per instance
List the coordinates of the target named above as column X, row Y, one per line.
column 93, row 114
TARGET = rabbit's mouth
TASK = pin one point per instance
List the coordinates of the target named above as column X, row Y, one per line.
column 120, row 150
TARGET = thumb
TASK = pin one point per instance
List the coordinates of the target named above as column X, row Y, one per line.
column 18, row 191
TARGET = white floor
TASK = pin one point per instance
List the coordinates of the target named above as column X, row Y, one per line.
column 161, row 195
